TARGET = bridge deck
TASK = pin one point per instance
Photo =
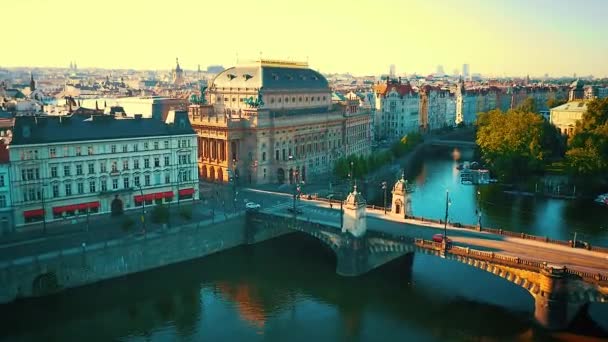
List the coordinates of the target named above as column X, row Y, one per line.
column 573, row 258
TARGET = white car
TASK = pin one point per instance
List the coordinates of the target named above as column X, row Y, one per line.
column 252, row 206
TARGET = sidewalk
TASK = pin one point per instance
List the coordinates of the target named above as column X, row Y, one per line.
column 379, row 214
column 102, row 224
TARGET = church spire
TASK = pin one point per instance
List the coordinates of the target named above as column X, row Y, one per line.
column 32, row 82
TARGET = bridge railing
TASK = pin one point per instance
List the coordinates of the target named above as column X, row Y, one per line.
column 507, row 260
column 503, row 232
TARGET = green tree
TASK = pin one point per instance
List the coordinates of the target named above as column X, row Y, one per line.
column 528, row 106
column 160, row 214
column 587, row 155
column 513, row 144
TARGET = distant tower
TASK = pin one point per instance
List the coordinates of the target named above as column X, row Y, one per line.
column 32, row 82
column 465, row 71
column 440, row 71
column 392, row 71
column 354, row 214
column 71, row 65
column 178, row 74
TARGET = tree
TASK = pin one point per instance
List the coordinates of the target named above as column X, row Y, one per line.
column 528, row 106
column 514, row 144
column 587, row 155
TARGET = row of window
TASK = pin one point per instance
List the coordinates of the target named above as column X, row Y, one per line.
column 279, row 99
column 67, row 169
column 93, row 186
column 70, row 151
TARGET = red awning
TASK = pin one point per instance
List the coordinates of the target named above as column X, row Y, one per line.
column 186, row 192
column 73, row 207
column 138, row 198
column 168, row 194
column 33, row 213
column 159, row 195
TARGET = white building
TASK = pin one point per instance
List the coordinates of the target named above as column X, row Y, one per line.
column 397, row 110
column 565, row 116
column 74, row 165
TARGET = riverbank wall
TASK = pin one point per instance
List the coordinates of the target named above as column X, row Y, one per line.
column 45, row 274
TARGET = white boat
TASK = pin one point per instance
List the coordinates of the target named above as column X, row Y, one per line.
column 603, row 199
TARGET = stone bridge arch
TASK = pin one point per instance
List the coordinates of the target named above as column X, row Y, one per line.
column 558, row 296
column 45, row 284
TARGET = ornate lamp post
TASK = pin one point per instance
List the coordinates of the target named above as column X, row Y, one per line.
column 351, row 175
column 143, row 209
column 384, row 188
column 445, row 223
column 478, row 210
column 234, row 183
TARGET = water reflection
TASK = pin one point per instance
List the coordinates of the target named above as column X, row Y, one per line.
column 436, row 171
column 285, row 289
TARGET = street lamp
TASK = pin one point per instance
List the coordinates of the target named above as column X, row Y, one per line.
column 478, row 209
column 351, row 175
column 384, row 188
column 234, row 179
column 143, row 209
column 43, row 209
column 445, row 223
column 296, row 192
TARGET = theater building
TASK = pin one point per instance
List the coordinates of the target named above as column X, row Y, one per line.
column 274, row 122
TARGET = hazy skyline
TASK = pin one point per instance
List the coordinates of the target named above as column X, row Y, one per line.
column 515, row 37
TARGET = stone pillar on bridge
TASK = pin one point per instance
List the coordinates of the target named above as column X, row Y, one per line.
column 354, row 214
column 552, row 308
column 401, row 201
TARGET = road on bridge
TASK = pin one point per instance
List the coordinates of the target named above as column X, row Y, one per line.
column 579, row 259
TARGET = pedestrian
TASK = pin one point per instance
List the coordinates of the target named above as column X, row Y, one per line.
column 331, row 205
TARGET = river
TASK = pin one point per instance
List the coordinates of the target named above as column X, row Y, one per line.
column 286, row 289
column 555, row 218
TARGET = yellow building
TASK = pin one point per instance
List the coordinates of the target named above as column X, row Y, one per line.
column 565, row 116
column 273, row 122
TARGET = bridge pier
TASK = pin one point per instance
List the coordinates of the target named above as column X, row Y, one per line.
column 352, row 256
column 552, row 309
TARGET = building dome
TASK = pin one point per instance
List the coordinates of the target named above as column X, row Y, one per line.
column 271, row 75
column 401, row 185
column 355, row 198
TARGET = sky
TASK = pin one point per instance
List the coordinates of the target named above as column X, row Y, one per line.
column 363, row 37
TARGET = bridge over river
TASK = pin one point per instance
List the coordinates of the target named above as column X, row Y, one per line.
column 562, row 280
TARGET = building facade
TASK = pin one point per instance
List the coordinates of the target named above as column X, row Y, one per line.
column 68, row 166
column 566, row 116
column 274, row 122
column 434, row 108
column 6, row 210
column 397, row 110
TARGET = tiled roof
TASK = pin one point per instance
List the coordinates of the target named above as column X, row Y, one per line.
column 401, row 88
column 270, row 78
column 42, row 130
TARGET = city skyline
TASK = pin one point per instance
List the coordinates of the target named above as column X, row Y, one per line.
column 505, row 39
